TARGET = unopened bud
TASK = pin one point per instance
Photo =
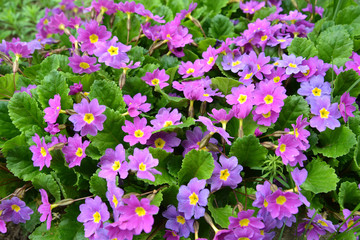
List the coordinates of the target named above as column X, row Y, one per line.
column 269, row 145
column 273, row 187
column 64, row 202
column 204, row 142
column 212, row 147
column 122, row 80
column 203, row 108
column 112, row 19
column 279, row 133
column 19, row 192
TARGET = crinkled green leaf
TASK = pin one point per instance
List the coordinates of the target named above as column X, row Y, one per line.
column 198, row 164
column 7, row 129
column 98, row 185
column 264, row 12
column 221, row 27
column 7, row 85
column 108, row 94
column 302, row 47
column 349, row 195
column 345, row 81
column 41, row 233
column 54, row 62
column 157, row 199
column 220, row 215
column 214, row 7
column 248, row 151
column 350, row 16
column 321, row 177
column 47, row 182
column 329, row 142
column 224, row 84
column 69, row 227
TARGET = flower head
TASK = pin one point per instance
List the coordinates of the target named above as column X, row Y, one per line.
column 213, row 129
column 191, row 69
column 287, row 148
column 346, row 106
column 282, row 204
column 158, row 77
column 113, row 163
column 137, row 104
column 41, row 155
column 177, row 222
column 114, row 196
column 84, row 64
column 314, row 89
column 193, row 139
column 143, row 163
column 15, row 210
column 326, row 114
column 292, row 64
column 45, row 209
column 165, row 118
column 269, row 96
column 138, row 131
column 164, row 140
column 251, row 6
column 75, row 88
column 245, row 219
column 242, row 100
column 92, row 35
column 52, row 112
column 74, row 151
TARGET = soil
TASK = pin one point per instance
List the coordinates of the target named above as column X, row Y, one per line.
column 14, row 232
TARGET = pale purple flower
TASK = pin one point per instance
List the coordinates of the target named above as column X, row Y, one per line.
column 171, row 235
column 346, row 106
column 164, row 140
column 193, row 139
column 92, row 35
column 221, row 115
column 245, row 219
column 300, row 133
column 233, row 61
column 278, row 75
column 138, row 131
column 293, row 64
column 251, row 6
column 269, row 96
column 191, row 69
column 143, row 163
column 74, row 151
column 266, row 119
column 318, row 225
column 299, row 177
column 27, row 89
column 287, row 148
column 58, row 23
column 326, row 114
column 148, row 14
column 137, row 104
column 20, row 50
column 262, row 191
column 52, row 128
column 114, row 163
column 114, row 196
column 213, row 129
column 104, row 6
column 354, row 64
column 177, row 222
column 45, row 209
column 14, row 210
column 158, row 77
column 165, row 118
column 350, row 222
column 41, row 155
column 314, row 89
column 52, row 112
column 84, row 64
column 261, row 62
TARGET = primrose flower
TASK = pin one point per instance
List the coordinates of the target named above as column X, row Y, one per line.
column 242, row 99
column 177, row 222
column 299, row 177
column 171, row 235
column 262, row 191
column 52, row 112
column 158, row 77
column 137, row 215
column 191, row 69
column 213, row 129
column 27, row 89
column 112, row 53
column 209, row 57
column 92, row 35
column 104, row 6
column 354, row 64
column 346, row 106
column 314, row 89
column 20, row 50
column 221, row 115
column 41, row 155
column 137, row 104
column 287, row 148
column 148, row 14
column 93, row 213
column 193, row 139
column 58, row 23
column 75, row 88
column 14, row 210
column 269, row 96
column 350, row 223
column 89, row 118
column 74, row 151
column 138, row 131
column 226, row 174
column 165, row 118
column 114, row 196
column 3, row 228
column 300, row 133
column 113, row 163
column 245, row 220
column 164, row 140
column 318, row 225
column 265, row 119
column 326, row 114
column 84, row 64
column 45, row 209
column 278, row 75
column 193, row 198
column 251, row 6
column 292, row 64
column 261, row 63
column 143, row 163
column 282, row 204
column 233, row 62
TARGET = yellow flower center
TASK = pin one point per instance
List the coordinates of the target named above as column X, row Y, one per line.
column 159, row 143
column 323, row 223
column 281, row 40
column 43, row 151
column 140, row 211
column 115, row 201
column 351, row 222
column 235, row 63
column 282, row 148
column 266, row 115
column 97, row 217
column 116, row 166
column 292, row 65
column 190, row 70
column 138, row 133
column 168, row 36
column 258, row 67
column 168, row 123
column 206, row 95
column 269, row 99
column 224, row 174
column 180, row 219
column 243, row 238
column 142, row 167
column 203, row 148
column 193, row 198
column 296, row 132
column 79, row 152
column 84, row 65
column 93, row 38
column 307, row 72
column 89, row 118
column 265, row 203
column 113, row 50
column 248, row 76
column 103, row 9
column 244, row 222
column 46, row 21
column 15, row 207
column 316, row 92
column 324, row 113
column 61, row 26
column 155, row 81
column 280, row 200
column 276, row 79
column 242, row 98
column 211, row 59
column 264, row 38
column 276, row 63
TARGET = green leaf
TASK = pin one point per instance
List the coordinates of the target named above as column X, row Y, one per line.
column 187, row 123
column 25, row 113
column 98, row 185
column 293, row 107
column 54, row 62
column 108, row 138
column 334, row 45
column 7, row 85
column 7, row 129
column 345, row 81
column 249, row 151
column 221, row 27
column 349, row 195
column 108, row 94
column 321, row 177
column 329, row 140
column 302, row 47
column 198, row 164
column 224, row 84
column 52, row 84
column 137, row 53
column 48, row 183
column 220, row 215
column 169, row 195
column 214, row 7
column 350, row 16
column 264, row 12
column 41, row 233
column 204, row 44
column 157, row 199
column 356, row 164
column 69, row 227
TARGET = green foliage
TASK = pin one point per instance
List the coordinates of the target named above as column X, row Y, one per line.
column 47, row 182
column 108, row 94
column 302, row 47
column 221, row 27
column 349, row 195
column 264, row 12
column 41, row 233
column 7, row 129
column 53, row 62
column 350, row 16
column 98, row 185
column 220, row 215
column 224, row 84
column 7, row 85
column 348, row 81
column 69, row 227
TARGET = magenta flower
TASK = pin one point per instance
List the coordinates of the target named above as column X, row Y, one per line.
column 129, row 7
column 27, row 89
column 193, row 198
column 251, row 6
column 74, row 151
column 104, row 6
column 93, row 213
column 242, row 99
column 52, row 112
column 137, row 104
column 299, row 177
column 113, row 163
column 346, row 106
column 52, row 128
column 84, row 64
column 318, row 225
column 282, row 204
column 287, row 148
column 3, row 228
column 266, row 119
column 92, row 35
column 41, row 155
column 75, row 88
column 191, row 69
column 112, row 53
column 300, row 133
column 14, row 210
column 171, row 235
column 116, row 231
column 149, row 15
column 293, row 64
column 164, row 140
column 45, row 209
column 244, row 220
column 262, row 191
column 89, row 118
column 114, row 196
column 278, row 75
column 261, row 63
column 177, row 222
column 165, row 118
column 269, row 96
column 326, row 114
column 19, row 50
column 143, row 163
column 213, row 129
column 138, row 131
column 158, row 77
column 221, row 116
column 137, row 215
column 209, row 57
column 58, row 23
column 354, row 64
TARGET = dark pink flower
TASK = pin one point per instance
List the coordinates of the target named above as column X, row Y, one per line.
column 138, row 131
column 92, row 35
column 158, row 77
column 45, row 209
column 84, row 64
column 143, row 163
column 74, row 151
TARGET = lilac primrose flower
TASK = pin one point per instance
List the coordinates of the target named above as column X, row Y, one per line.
column 245, row 220
column 143, row 163
column 282, row 204
column 75, row 88
column 177, row 222
column 244, row 233
column 309, row 8
column 113, row 163
column 350, row 223
column 19, row 50
column 58, row 23
column 261, row 63
column 114, row 196
column 318, row 226
column 3, row 228
column 193, row 139
column 27, row 89
column 137, row 215
column 45, row 209
column 242, row 99
column 171, row 235
column 213, row 129
column 326, row 114
column 112, row 53
column 221, row 116
column 41, row 155
column 52, row 128
column 138, row 131
column 74, row 151
column 165, row 118
column 262, row 191
column 84, row 64
column 193, row 198
column 266, row 119
column 287, row 148
column 104, row 6
column 89, row 118
column 251, row 6
column 233, row 61
column 299, row 177
column 136, row 104
column 164, row 140
column 314, row 89
column 116, row 231
column 92, row 35
column 191, row 69
column 93, row 213
column 158, row 77
column 52, row 112
column 355, row 64
column 269, row 96
column 292, row 64
column 278, row 75
column 14, row 210
column 346, row 106
column 226, row 174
